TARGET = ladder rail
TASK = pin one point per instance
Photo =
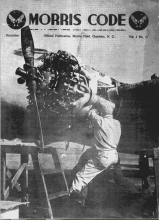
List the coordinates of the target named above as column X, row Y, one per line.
column 57, row 163
column 45, row 209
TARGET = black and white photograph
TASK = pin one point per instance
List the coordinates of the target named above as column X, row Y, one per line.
column 79, row 109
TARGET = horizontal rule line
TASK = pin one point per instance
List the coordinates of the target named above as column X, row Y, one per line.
column 80, row 29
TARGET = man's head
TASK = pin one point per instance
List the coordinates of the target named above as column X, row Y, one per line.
column 107, row 109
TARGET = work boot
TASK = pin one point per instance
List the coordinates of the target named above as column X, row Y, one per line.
column 79, row 197
column 84, row 193
column 76, row 196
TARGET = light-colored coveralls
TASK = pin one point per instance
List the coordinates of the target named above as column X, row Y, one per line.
column 102, row 155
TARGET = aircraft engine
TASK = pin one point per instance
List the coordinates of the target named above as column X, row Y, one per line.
column 57, row 80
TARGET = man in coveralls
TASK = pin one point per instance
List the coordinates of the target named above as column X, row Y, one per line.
column 103, row 153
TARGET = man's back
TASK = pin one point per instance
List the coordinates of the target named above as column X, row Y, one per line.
column 107, row 132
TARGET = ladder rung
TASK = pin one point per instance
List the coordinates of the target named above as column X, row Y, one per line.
column 58, row 194
column 45, row 172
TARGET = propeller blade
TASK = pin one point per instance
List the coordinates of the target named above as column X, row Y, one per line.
column 27, row 45
column 28, row 53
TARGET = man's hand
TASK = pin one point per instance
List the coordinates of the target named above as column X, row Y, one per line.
column 84, row 111
column 85, row 92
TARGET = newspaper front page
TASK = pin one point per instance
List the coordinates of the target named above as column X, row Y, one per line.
column 52, row 54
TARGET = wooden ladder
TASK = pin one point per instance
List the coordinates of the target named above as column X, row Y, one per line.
column 45, row 197
column 44, row 210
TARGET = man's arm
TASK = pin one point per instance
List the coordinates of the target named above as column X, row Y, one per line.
column 94, row 117
column 89, row 99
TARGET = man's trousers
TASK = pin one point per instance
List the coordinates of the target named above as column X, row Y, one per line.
column 92, row 162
